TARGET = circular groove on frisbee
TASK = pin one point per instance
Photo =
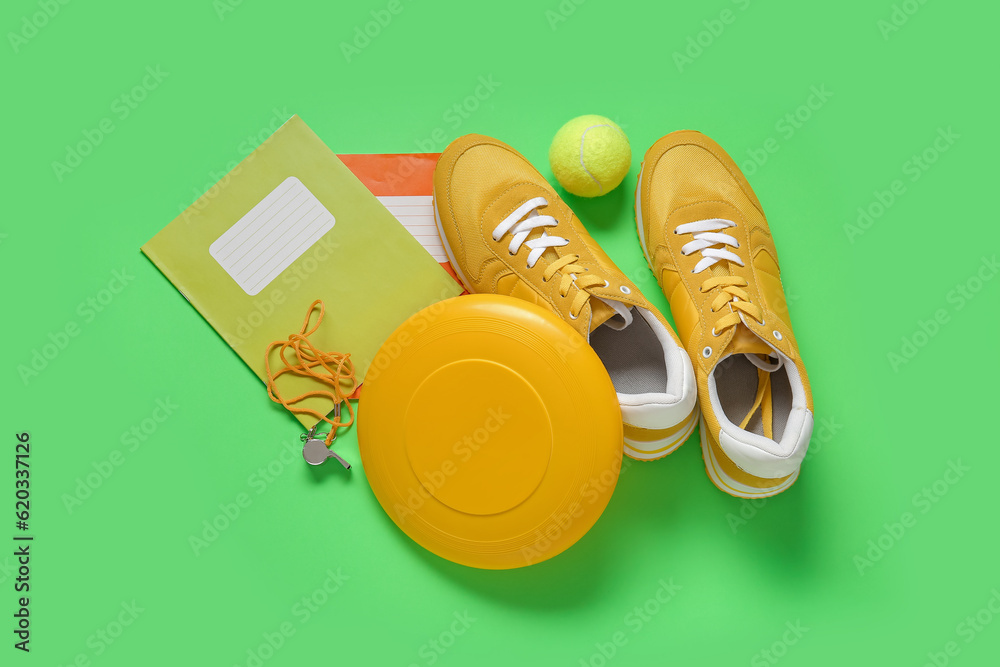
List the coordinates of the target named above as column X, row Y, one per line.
column 502, row 460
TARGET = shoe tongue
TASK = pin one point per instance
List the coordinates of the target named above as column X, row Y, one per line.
column 746, row 342
column 601, row 312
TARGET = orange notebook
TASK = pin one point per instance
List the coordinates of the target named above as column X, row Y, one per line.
column 404, row 183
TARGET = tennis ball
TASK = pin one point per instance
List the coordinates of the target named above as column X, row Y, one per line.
column 590, row 156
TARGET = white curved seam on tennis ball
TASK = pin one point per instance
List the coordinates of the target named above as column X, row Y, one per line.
column 582, row 138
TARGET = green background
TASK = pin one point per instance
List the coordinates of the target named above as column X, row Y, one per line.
column 890, row 429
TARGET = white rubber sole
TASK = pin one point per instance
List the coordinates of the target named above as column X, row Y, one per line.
column 657, row 449
column 639, row 228
column 447, row 248
column 726, row 483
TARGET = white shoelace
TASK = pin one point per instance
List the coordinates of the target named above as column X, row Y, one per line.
column 706, row 234
column 523, row 220
column 520, row 224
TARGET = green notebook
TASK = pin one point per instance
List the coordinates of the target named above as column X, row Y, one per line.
column 291, row 224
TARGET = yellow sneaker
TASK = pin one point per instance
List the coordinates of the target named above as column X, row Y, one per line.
column 706, row 239
column 506, row 231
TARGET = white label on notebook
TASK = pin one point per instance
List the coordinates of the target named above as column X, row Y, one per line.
column 417, row 215
column 272, row 235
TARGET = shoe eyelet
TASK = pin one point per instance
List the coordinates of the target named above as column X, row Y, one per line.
column 606, row 284
column 625, row 289
column 777, row 334
column 573, row 317
column 707, row 352
column 714, row 335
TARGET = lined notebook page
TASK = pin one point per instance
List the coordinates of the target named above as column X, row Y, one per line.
column 417, row 215
column 272, row 235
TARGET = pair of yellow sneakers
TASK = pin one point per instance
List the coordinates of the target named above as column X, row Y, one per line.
column 705, row 237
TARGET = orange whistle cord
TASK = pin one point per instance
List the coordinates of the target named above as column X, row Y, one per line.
column 333, row 369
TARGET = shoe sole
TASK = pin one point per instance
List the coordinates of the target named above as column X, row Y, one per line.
column 657, row 449
column 731, row 486
column 640, row 230
column 447, row 248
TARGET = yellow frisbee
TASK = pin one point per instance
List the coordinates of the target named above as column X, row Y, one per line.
column 490, row 431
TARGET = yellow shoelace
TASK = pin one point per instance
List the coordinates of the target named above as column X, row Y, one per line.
column 732, row 294
column 584, row 282
column 762, row 401
column 738, row 300
column 520, row 224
